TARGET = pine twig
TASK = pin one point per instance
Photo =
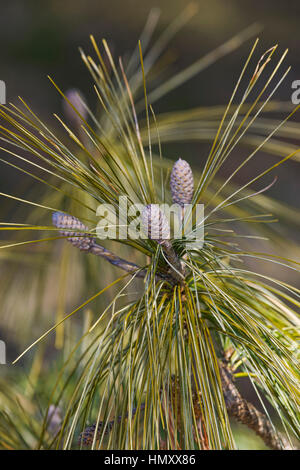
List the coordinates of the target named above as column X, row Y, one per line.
column 77, row 234
column 247, row 414
column 99, row 250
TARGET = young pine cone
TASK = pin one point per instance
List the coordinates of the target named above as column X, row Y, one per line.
column 155, row 223
column 157, row 227
column 182, row 183
column 67, row 224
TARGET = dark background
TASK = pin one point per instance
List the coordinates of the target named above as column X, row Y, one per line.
column 42, row 37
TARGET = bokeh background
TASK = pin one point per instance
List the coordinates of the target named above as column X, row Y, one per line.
column 42, row 37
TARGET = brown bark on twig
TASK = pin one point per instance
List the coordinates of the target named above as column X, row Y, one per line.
column 133, row 268
column 236, row 405
column 247, row 414
column 99, row 250
column 78, row 235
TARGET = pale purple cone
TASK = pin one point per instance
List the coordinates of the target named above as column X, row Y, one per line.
column 71, row 227
column 155, row 223
column 182, row 183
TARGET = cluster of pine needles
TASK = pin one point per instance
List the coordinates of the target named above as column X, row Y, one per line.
column 150, row 360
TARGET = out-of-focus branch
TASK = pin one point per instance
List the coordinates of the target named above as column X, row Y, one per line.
column 86, row 438
column 99, row 250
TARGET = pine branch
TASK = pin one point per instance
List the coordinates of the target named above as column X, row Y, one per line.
column 247, row 414
column 77, row 234
column 99, row 250
column 157, row 228
column 236, row 405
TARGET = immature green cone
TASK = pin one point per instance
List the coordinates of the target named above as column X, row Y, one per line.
column 71, row 228
column 155, row 223
column 182, row 183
